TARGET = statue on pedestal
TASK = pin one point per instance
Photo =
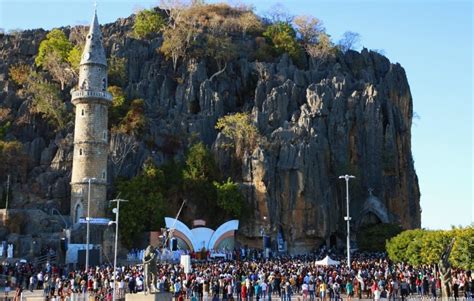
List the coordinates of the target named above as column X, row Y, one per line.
column 445, row 271
column 150, row 269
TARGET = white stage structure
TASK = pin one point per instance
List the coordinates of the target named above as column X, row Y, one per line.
column 202, row 237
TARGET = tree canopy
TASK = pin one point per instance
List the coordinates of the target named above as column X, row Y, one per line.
column 283, row 37
column 240, row 129
column 58, row 55
column 146, row 207
column 55, row 42
column 147, row 22
column 425, row 247
column 229, row 197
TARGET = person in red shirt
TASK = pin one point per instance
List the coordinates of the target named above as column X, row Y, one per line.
column 89, row 284
column 243, row 292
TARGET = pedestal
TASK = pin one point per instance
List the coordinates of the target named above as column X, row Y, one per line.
column 149, row 297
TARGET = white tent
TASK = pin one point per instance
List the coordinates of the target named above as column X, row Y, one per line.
column 327, row 261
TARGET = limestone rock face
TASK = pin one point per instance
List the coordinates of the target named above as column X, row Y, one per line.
column 351, row 115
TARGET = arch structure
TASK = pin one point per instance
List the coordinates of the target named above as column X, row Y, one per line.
column 78, row 211
column 202, row 237
column 373, row 208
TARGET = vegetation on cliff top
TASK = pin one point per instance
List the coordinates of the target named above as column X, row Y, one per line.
column 221, row 33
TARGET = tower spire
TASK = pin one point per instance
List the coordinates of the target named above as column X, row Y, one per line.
column 93, row 50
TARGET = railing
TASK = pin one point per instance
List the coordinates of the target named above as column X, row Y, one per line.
column 40, row 260
column 90, row 93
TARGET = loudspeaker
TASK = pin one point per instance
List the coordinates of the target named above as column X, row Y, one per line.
column 174, row 244
column 267, row 243
column 63, row 245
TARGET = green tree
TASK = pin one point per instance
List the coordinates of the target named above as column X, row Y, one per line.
column 147, row 23
column 56, row 54
column 283, row 38
column 200, row 164
column 229, row 197
column 240, row 129
column 199, row 172
column 74, row 58
column 425, row 247
column 57, row 42
column 415, row 247
column 462, row 255
column 146, row 207
column 433, row 245
column 397, row 246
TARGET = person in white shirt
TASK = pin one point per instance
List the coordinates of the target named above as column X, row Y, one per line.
column 32, row 283
column 40, row 278
column 264, row 287
column 377, row 295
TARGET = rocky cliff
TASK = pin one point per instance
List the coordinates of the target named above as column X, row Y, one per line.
column 351, row 114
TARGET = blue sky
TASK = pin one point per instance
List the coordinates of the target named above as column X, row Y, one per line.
column 432, row 40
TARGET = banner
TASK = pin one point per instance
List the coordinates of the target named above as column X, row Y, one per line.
column 186, row 263
column 95, row 221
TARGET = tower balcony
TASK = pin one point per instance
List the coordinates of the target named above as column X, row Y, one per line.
column 93, row 94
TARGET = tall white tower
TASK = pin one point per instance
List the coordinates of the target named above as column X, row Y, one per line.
column 91, row 100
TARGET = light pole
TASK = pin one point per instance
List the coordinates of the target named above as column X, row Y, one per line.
column 87, row 221
column 264, row 234
column 116, row 222
column 348, row 218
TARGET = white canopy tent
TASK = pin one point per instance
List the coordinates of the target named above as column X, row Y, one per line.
column 327, row 261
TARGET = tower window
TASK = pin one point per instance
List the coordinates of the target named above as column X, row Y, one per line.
column 105, row 135
column 82, row 112
column 80, row 152
column 103, row 174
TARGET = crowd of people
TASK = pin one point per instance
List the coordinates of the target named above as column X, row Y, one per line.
column 249, row 277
